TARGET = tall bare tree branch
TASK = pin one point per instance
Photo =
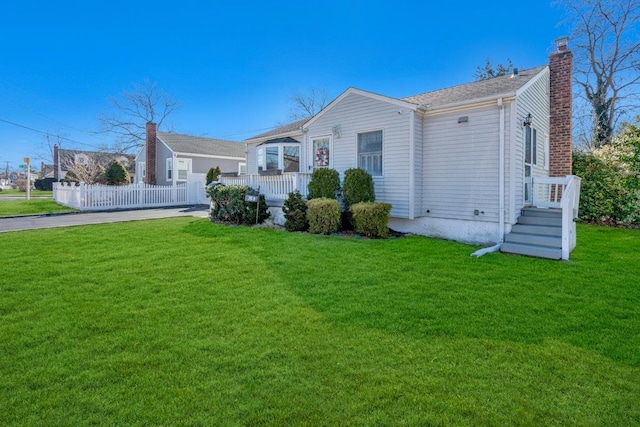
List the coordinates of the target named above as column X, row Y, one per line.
column 304, row 105
column 146, row 102
column 607, row 61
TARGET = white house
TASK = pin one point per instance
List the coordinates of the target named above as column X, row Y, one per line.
column 459, row 163
column 175, row 156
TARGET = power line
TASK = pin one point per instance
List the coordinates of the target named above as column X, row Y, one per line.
column 64, row 138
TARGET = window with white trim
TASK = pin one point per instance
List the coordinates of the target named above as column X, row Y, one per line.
column 285, row 157
column 530, row 146
column 169, row 169
column 184, row 167
column 370, row 152
column 321, row 152
column 242, row 168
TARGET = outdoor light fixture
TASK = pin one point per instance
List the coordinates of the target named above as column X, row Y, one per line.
column 527, row 120
column 336, row 131
column 463, row 119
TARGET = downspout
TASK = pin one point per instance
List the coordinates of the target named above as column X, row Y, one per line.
column 412, row 165
column 500, row 239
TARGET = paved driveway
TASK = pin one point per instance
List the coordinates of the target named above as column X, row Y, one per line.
column 67, row 220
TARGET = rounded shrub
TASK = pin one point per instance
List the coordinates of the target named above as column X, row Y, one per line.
column 357, row 187
column 324, row 183
column 323, row 215
column 371, row 219
column 295, row 212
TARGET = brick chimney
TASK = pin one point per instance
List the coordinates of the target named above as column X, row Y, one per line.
column 560, row 138
column 56, row 163
column 150, row 154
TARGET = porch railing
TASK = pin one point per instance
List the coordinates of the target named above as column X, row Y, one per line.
column 560, row 193
column 274, row 187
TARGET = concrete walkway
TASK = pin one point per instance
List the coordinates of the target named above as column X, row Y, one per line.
column 67, row 220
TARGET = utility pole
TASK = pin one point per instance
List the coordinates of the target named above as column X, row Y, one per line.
column 26, row 160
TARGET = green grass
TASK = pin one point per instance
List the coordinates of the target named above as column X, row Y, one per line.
column 18, row 193
column 184, row 322
column 31, row 207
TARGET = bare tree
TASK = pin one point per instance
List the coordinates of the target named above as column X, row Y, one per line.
column 488, row 71
column 88, row 169
column 607, row 62
column 304, row 105
column 146, row 102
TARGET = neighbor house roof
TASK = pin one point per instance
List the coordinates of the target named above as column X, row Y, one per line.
column 502, row 85
column 197, row 145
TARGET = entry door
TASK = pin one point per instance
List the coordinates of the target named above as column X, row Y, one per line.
column 321, row 152
column 530, row 158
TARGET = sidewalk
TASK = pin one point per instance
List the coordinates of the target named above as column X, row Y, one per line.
column 86, row 218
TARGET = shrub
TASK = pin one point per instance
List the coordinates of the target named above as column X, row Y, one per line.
column 45, row 184
column 22, row 184
column 116, row 174
column 213, row 174
column 323, row 215
column 371, row 219
column 357, row 187
column 324, row 183
column 295, row 212
column 601, row 187
column 229, row 205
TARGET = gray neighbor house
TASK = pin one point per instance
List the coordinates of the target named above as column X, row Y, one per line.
column 169, row 158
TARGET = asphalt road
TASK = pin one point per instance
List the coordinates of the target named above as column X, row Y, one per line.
column 85, row 218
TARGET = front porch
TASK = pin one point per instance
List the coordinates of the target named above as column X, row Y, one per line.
column 275, row 188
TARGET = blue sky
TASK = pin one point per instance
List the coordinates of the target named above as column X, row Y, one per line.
column 233, row 66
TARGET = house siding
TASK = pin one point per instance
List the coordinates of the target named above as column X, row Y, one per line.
column 461, row 165
column 533, row 99
column 356, row 114
column 203, row 164
column 162, row 154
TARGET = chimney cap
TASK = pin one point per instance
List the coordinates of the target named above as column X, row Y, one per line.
column 561, row 43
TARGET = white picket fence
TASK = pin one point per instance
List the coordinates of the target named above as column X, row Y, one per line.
column 106, row 197
column 274, row 187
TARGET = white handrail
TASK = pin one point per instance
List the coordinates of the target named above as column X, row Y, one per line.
column 274, row 187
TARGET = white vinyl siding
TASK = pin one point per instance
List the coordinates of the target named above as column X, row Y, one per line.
column 359, row 114
column 461, row 165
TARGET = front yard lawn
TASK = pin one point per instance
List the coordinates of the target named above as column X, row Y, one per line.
column 184, row 322
column 31, row 207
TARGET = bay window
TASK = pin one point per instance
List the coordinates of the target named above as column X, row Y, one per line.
column 281, row 154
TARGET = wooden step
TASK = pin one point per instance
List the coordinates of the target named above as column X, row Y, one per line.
column 541, row 212
column 534, row 239
column 530, row 250
column 541, row 220
column 537, row 229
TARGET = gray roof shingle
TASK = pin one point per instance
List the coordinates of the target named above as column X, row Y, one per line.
column 495, row 86
column 290, row 127
column 198, row 145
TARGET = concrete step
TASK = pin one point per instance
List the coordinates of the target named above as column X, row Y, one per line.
column 549, row 221
column 530, row 250
column 541, row 212
column 534, row 239
column 543, row 230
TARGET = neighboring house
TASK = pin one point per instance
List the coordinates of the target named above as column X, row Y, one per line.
column 458, row 163
column 64, row 160
column 174, row 156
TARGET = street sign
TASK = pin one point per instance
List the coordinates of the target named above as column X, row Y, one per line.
column 23, row 166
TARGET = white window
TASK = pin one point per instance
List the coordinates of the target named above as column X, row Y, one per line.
column 546, row 151
column 169, row 169
column 370, row 152
column 242, row 168
column 142, row 171
column 321, row 148
column 81, row 159
column 184, row 167
column 282, row 157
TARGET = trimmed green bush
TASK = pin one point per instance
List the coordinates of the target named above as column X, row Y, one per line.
column 324, row 183
column 600, row 189
column 295, row 212
column 323, row 215
column 213, row 174
column 371, row 219
column 229, row 205
column 116, row 174
column 357, row 187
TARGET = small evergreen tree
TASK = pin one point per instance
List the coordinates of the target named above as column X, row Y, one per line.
column 324, row 183
column 116, row 174
column 357, row 187
column 213, row 174
column 295, row 212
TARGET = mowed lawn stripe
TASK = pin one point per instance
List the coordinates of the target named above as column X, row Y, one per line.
column 181, row 321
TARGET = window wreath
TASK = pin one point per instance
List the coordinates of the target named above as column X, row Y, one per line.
column 322, row 157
